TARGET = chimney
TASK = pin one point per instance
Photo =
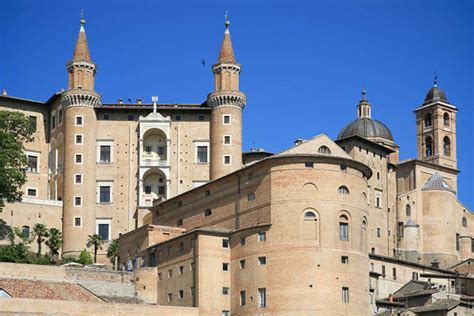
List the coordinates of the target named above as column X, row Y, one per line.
column 4, row 92
column 139, row 101
column 299, row 141
column 120, row 101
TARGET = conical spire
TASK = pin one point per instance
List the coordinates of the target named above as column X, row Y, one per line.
column 226, row 54
column 81, row 52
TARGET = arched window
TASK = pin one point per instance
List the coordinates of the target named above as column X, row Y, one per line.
column 428, row 146
column 324, row 150
column 364, row 197
column 363, row 237
column 343, row 228
column 372, row 250
column 464, row 222
column 408, row 210
column 427, row 120
column 309, row 225
column 343, row 190
column 446, row 119
column 446, row 146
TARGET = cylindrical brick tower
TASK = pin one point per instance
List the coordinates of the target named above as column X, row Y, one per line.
column 80, row 149
column 226, row 103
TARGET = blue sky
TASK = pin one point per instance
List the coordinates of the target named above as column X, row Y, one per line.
column 303, row 62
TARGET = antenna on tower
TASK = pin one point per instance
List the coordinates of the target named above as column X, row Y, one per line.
column 435, row 79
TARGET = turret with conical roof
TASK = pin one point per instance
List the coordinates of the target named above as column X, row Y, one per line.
column 227, row 103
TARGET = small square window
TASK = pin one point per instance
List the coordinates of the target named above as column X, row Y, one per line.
column 148, row 189
column 226, row 160
column 262, row 236
column 242, row 264
column 77, row 201
column 77, row 221
column 178, row 117
column 242, row 241
column 227, row 140
column 225, row 243
column 201, row 117
column 309, row 164
column 78, row 139
column 225, row 266
column 251, row 196
column 262, row 261
column 79, row 120
column 131, row 117
column 78, row 158
column 170, row 273
column 78, row 178
column 225, row 291
column 343, row 168
column 344, row 259
column 181, row 270
column 179, row 222
column 226, row 120
column 106, row 117
column 31, row 192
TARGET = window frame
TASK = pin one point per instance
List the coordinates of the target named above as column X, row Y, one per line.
column 32, row 189
column 224, row 140
column 75, row 178
column 105, row 142
column 201, row 143
column 99, row 185
column 75, row 159
column 224, row 160
column 224, row 119
column 37, row 155
column 74, row 221
column 104, row 221
column 82, row 120
column 81, row 137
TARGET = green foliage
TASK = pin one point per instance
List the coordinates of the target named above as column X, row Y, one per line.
column 43, row 260
column 15, row 129
column 68, row 259
column 96, row 241
column 85, row 257
column 113, row 252
column 13, row 253
column 54, row 243
column 40, row 231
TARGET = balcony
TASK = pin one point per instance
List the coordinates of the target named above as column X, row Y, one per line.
column 154, row 163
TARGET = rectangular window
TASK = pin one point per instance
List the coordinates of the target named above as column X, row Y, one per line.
column 394, row 273
column 79, row 120
column 225, row 291
column 344, row 231
column 148, row 150
column 242, row 298
column 378, row 202
column 104, row 231
column 78, row 158
column 181, row 270
column 208, row 212
column 25, row 231
column 33, row 123
column 170, row 273
column 225, row 243
column 227, row 160
column 148, row 189
column 77, row 221
column 345, row 295
column 180, row 294
column 31, row 192
column 32, row 163
column 262, row 297
column 78, row 178
column 226, row 120
column 309, row 164
column 202, row 154
column 225, row 313
column 181, row 247
column 383, row 271
column 53, row 121
column 105, row 153
column 78, row 140
column 160, row 276
column 170, row 297
column 262, row 261
column 161, row 190
column 414, row 276
column 242, row 241
column 104, row 194
column 161, row 150
column 225, row 266
column 345, row 260
column 378, row 232
column 472, row 245
column 106, row 117
column 242, row 264
column 457, row 242
column 78, row 201
column 227, row 140
column 60, row 116
column 262, row 236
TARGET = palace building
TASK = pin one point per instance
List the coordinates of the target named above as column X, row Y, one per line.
column 330, row 227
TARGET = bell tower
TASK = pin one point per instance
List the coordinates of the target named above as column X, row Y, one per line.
column 226, row 103
column 436, row 129
column 79, row 101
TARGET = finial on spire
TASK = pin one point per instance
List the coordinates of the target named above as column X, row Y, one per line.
column 435, row 79
column 82, row 21
column 227, row 21
column 363, row 92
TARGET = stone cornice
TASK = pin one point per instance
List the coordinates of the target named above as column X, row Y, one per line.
column 226, row 98
column 81, row 97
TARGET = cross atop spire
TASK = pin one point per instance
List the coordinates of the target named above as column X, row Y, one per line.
column 226, row 54
column 81, row 52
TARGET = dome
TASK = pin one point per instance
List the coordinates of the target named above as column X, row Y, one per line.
column 367, row 128
column 410, row 223
column 436, row 182
column 435, row 94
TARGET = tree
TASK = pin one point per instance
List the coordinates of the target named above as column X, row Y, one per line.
column 85, row 257
column 15, row 129
column 96, row 241
column 54, row 243
column 113, row 252
column 39, row 232
column 17, row 250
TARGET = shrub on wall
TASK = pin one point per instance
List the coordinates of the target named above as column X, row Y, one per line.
column 85, row 258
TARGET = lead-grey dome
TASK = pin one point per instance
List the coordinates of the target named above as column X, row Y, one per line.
column 366, row 127
column 435, row 94
column 436, row 182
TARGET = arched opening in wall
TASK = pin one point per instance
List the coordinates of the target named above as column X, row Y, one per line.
column 344, row 229
column 364, row 198
column 427, row 120
column 154, row 185
column 372, row 250
column 309, row 225
column 446, row 146
column 408, row 210
column 310, row 187
column 324, row 150
column 343, row 190
column 79, row 79
column 235, row 81
column 446, row 119
column 464, row 222
column 59, row 188
column 52, row 156
column 60, row 153
column 428, row 146
column 154, row 147
column 226, row 84
column 363, row 237
column 52, row 189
